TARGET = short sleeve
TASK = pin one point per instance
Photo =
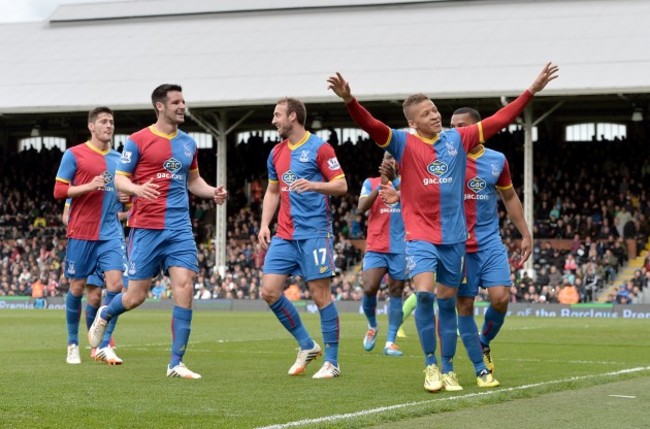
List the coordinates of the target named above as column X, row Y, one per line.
column 129, row 158
column 328, row 163
column 270, row 166
column 505, row 181
column 67, row 168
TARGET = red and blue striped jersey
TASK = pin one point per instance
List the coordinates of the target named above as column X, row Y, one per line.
column 487, row 171
column 93, row 216
column 385, row 225
column 308, row 214
column 167, row 159
column 433, row 176
column 433, row 170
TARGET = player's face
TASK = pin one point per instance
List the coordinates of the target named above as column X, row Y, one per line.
column 103, row 127
column 425, row 118
column 461, row 120
column 173, row 110
column 282, row 121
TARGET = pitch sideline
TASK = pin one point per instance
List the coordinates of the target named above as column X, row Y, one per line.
column 337, row 417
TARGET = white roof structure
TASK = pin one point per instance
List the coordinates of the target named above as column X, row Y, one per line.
column 236, row 53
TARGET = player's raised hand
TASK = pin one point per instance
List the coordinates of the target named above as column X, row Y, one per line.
column 148, row 191
column 387, row 172
column 548, row 73
column 220, row 195
column 264, row 237
column 340, row 86
column 388, row 194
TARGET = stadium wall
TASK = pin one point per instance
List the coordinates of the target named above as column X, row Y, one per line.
column 599, row 311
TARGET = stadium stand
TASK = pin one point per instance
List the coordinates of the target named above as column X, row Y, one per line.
column 586, row 196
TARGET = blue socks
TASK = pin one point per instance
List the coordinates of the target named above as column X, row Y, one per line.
column 448, row 330
column 425, row 322
column 369, row 305
column 114, row 309
column 111, row 324
column 288, row 316
column 492, row 325
column 181, row 328
column 91, row 312
column 395, row 315
column 72, row 316
column 329, row 323
column 469, row 334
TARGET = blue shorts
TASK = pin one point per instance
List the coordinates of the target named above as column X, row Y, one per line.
column 84, row 257
column 485, row 268
column 97, row 278
column 152, row 250
column 394, row 262
column 311, row 258
column 445, row 260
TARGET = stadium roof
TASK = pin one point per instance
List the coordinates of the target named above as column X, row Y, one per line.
column 250, row 53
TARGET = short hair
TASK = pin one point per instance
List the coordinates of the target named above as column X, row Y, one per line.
column 297, row 106
column 475, row 115
column 94, row 113
column 411, row 100
column 159, row 95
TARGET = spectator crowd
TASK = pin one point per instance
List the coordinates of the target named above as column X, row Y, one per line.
column 591, row 213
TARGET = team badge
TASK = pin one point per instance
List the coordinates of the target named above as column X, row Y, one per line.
column 333, row 164
column 70, row 268
column 495, row 170
column 304, row 156
column 437, row 168
column 188, row 151
column 172, row 165
column 289, row 177
column 132, row 269
column 451, row 149
column 476, row 184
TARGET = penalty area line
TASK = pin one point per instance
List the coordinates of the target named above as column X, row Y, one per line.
column 337, row 417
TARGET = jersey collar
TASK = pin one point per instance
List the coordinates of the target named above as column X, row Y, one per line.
column 161, row 134
column 478, row 154
column 96, row 149
column 301, row 142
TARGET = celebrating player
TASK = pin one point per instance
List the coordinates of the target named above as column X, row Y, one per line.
column 486, row 259
column 432, row 164
column 95, row 237
column 303, row 173
column 384, row 253
column 159, row 165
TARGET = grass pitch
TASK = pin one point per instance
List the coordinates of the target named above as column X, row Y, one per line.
column 561, row 372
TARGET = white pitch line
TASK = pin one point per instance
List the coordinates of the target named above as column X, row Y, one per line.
column 623, row 396
column 378, row 410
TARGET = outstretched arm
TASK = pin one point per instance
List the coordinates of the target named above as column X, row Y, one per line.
column 377, row 130
column 509, row 113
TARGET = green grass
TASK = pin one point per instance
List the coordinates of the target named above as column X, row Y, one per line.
column 243, row 358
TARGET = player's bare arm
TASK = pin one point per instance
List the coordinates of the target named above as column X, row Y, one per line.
column 199, row 187
column 269, row 206
column 516, row 213
column 147, row 190
column 336, row 187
